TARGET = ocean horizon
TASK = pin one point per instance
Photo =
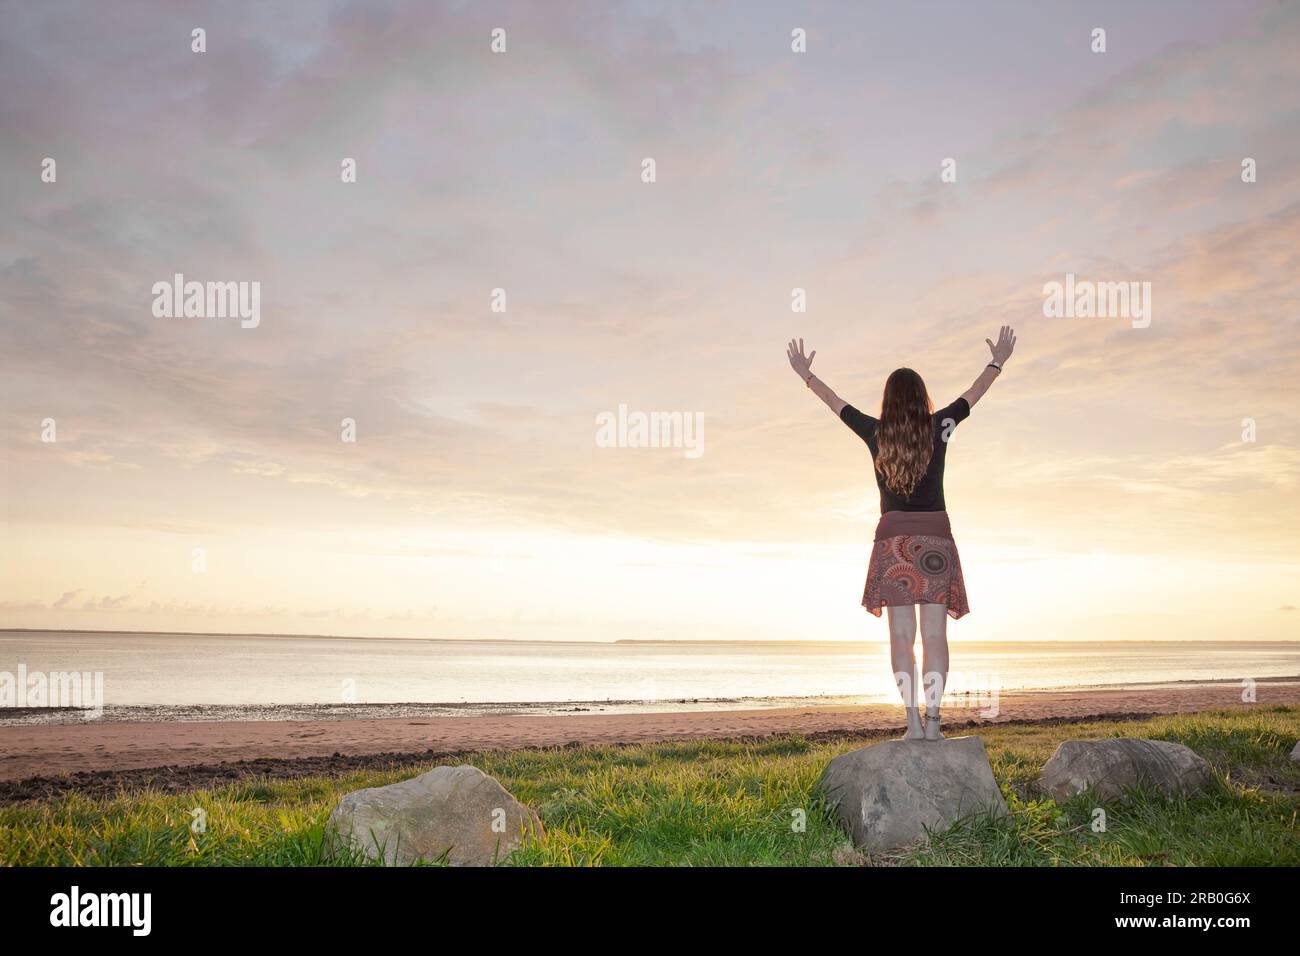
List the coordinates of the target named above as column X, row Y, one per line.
column 190, row 676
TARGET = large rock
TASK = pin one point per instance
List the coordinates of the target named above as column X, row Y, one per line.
column 1116, row 763
column 457, row 809
column 1295, row 751
column 886, row 795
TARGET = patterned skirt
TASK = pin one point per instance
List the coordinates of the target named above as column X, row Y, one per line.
column 914, row 561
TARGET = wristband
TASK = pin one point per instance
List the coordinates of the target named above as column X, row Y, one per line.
column 994, row 365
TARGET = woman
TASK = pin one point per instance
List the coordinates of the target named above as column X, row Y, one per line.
column 914, row 566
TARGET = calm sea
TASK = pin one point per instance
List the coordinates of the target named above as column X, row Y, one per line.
column 188, row 676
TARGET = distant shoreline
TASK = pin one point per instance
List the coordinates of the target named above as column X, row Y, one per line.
column 277, row 712
column 624, row 641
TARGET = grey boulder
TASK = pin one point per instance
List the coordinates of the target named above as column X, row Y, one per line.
column 887, row 795
column 1295, row 751
column 1112, row 765
column 459, row 811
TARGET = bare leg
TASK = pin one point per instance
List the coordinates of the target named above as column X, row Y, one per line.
column 902, row 638
column 934, row 664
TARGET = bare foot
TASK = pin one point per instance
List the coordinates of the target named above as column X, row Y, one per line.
column 932, row 727
column 915, row 730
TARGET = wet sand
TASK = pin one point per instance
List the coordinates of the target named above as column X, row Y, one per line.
column 94, row 750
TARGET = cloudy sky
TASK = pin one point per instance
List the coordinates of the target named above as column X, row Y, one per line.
column 1102, row 489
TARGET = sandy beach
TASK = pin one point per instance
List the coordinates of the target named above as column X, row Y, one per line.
column 104, row 749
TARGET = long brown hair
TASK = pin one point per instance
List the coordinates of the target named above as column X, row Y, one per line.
column 905, row 436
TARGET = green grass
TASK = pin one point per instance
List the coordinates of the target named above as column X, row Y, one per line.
column 729, row 804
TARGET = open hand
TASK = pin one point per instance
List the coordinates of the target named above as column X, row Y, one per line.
column 798, row 361
column 1005, row 346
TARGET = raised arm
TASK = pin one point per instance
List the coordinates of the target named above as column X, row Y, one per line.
column 800, row 363
column 1001, row 352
